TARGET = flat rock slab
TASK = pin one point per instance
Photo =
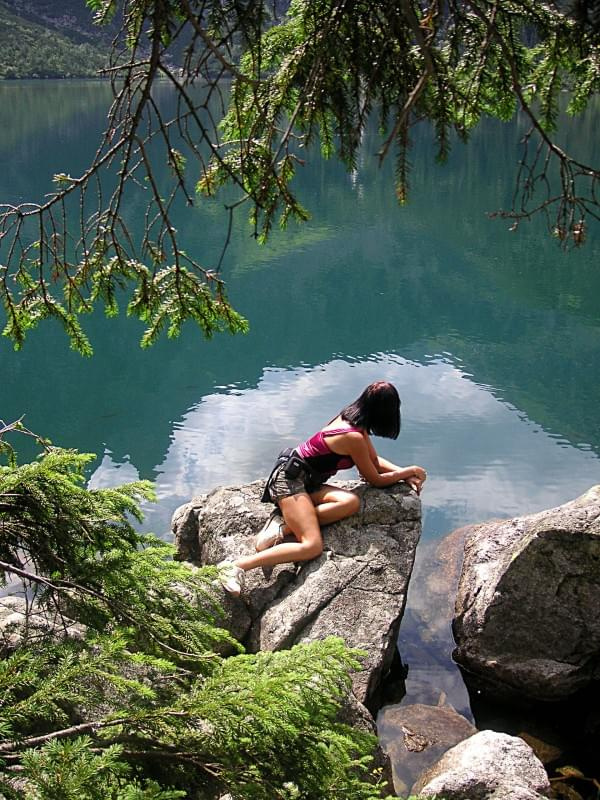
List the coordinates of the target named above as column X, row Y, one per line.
column 526, row 618
column 356, row 589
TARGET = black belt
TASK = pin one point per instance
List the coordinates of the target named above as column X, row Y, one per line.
column 294, row 465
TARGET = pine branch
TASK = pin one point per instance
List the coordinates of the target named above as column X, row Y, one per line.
column 85, row 727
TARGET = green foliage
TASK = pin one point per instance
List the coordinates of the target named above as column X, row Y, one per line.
column 174, row 295
column 115, row 684
column 165, row 297
column 71, row 771
column 47, row 510
column 84, row 541
column 104, row 10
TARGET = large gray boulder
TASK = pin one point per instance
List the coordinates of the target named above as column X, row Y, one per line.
column 356, row 589
column 486, row 766
column 526, row 618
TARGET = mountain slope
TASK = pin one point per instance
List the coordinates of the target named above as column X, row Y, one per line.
column 72, row 18
column 32, row 50
column 48, row 38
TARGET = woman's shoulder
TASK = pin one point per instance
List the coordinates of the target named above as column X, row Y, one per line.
column 339, row 427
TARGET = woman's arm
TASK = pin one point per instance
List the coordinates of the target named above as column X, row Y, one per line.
column 381, row 464
column 415, row 476
column 375, row 470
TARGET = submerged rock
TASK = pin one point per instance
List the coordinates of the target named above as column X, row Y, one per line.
column 356, row 589
column 426, row 640
column 486, row 766
column 437, row 573
column 546, row 752
column 416, row 736
column 526, row 618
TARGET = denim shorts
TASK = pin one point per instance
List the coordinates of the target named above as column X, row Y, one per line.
column 281, row 486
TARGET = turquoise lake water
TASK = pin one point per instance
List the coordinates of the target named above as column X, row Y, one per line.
column 492, row 338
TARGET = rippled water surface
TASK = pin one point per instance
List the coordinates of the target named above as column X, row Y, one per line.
column 491, row 337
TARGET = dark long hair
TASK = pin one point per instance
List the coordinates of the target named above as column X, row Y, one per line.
column 377, row 410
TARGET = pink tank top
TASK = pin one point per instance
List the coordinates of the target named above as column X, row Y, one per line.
column 319, row 455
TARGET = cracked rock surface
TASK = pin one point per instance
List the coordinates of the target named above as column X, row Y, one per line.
column 356, row 589
column 526, row 618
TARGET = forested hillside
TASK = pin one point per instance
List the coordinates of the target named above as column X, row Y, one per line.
column 30, row 49
column 70, row 17
column 58, row 38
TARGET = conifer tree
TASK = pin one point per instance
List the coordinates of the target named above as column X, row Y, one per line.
column 114, row 683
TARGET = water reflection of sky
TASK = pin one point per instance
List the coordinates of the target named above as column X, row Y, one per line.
column 483, row 457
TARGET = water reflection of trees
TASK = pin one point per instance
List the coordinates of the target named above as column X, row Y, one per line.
column 363, row 276
column 32, row 110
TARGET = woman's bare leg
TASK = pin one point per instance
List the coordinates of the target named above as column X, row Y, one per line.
column 300, row 516
column 303, row 515
column 333, row 504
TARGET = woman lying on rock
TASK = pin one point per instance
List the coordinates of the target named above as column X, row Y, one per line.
column 305, row 501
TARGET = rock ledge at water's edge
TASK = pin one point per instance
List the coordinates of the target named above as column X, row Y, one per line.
column 356, row 589
column 526, row 617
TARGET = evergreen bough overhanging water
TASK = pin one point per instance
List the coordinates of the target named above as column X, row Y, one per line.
column 300, row 73
column 142, row 704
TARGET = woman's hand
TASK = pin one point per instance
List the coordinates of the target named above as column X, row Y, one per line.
column 417, row 478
